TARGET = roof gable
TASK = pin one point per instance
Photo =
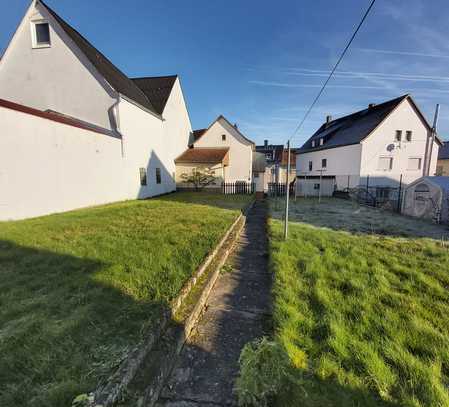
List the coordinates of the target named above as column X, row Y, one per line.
column 198, row 134
column 157, row 89
column 116, row 78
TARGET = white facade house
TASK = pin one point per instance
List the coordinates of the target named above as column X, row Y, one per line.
column 377, row 146
column 223, row 149
column 74, row 130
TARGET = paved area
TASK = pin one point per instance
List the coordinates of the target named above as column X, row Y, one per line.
column 238, row 311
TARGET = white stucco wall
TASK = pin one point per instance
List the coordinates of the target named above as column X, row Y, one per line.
column 176, row 122
column 146, row 145
column 240, row 150
column 404, row 118
column 341, row 162
column 58, row 77
column 50, row 167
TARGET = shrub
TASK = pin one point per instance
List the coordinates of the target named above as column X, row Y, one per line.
column 264, row 366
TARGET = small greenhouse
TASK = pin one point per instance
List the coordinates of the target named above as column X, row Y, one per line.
column 428, row 198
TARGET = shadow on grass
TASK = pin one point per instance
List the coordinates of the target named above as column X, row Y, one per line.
column 62, row 329
column 348, row 216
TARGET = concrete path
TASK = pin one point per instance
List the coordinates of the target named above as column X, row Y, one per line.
column 238, row 311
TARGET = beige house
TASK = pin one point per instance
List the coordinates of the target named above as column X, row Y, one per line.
column 223, row 150
column 443, row 160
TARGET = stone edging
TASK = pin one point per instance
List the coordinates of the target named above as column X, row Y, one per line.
column 109, row 394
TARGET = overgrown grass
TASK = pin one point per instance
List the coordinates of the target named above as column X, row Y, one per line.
column 364, row 318
column 79, row 289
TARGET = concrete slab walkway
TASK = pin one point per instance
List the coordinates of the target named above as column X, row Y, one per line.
column 238, row 311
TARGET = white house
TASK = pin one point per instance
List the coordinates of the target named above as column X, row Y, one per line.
column 221, row 148
column 75, row 131
column 377, row 146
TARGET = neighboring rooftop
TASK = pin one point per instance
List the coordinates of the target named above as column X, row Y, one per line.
column 443, row 153
column 151, row 100
column 351, row 129
column 198, row 133
column 204, row 156
column 157, row 89
column 273, row 152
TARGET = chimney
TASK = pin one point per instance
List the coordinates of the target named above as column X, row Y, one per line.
column 328, row 119
column 265, row 144
column 371, row 105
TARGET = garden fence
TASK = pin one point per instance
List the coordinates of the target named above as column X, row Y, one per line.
column 238, row 188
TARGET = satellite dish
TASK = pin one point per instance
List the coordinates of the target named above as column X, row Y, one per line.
column 391, row 147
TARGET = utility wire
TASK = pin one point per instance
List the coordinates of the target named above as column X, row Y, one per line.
column 334, row 69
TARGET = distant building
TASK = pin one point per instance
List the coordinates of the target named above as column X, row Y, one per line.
column 276, row 167
column 377, row 146
column 223, row 150
column 443, row 160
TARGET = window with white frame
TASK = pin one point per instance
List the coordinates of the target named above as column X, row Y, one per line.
column 316, row 186
column 408, row 135
column 385, row 164
column 310, row 165
column 40, row 34
column 158, row 176
column 313, row 143
column 143, row 176
column 414, row 163
column 398, row 136
column 321, row 141
column 324, row 163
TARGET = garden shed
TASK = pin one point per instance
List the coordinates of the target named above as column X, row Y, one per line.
column 427, row 197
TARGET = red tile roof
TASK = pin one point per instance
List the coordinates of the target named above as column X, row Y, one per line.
column 204, row 156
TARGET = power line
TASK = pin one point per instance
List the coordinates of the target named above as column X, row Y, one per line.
column 334, row 68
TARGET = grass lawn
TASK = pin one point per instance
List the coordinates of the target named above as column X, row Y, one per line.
column 361, row 304
column 78, row 289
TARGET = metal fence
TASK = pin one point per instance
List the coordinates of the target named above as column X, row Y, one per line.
column 238, row 188
column 279, row 189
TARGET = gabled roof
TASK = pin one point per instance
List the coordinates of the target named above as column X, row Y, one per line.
column 157, row 89
column 203, row 156
column 200, row 133
column 116, row 78
column 273, row 150
column 443, row 153
column 353, row 128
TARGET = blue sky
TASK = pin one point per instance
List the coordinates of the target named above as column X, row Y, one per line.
column 260, row 63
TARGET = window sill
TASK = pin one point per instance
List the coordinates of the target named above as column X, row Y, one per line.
column 41, row 46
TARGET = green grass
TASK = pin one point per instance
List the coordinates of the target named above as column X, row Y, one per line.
column 364, row 317
column 79, row 289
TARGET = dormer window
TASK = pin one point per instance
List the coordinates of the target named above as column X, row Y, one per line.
column 313, row 143
column 40, row 34
column 321, row 141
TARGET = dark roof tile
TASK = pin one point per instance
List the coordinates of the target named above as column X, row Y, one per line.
column 351, row 129
column 443, row 153
column 157, row 89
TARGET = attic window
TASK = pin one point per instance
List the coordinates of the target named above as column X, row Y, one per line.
column 40, row 31
column 223, row 137
column 408, row 135
column 398, row 135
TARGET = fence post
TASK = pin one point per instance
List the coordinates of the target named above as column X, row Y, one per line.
column 399, row 195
